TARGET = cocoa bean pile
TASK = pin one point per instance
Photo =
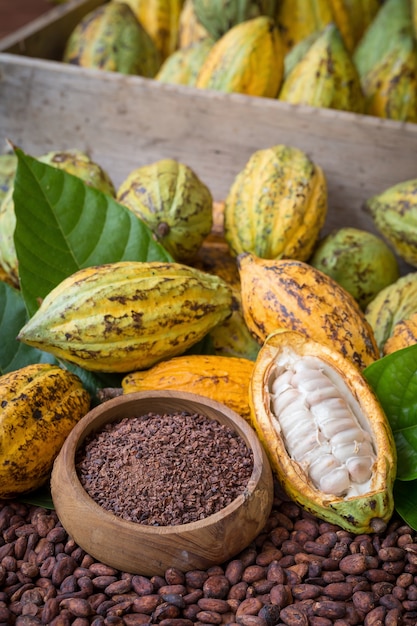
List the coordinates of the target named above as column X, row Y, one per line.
column 299, row 571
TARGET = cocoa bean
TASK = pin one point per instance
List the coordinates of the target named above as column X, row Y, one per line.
column 376, row 617
column 195, row 579
column 281, row 595
column 253, row 573
column 175, row 589
column 339, row 590
column 329, row 608
column 216, row 586
column 238, row 591
column 209, row 617
column 174, row 576
column 249, row 606
column 141, row 585
column 294, row 616
column 147, row 604
column 250, row 620
column 77, row 606
column 214, row 604
column 165, row 610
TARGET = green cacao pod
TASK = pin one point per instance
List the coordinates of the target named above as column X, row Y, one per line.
column 40, row 404
column 73, row 161
column 358, row 260
column 219, row 16
column 183, row 66
column 394, row 213
column 325, row 432
column 248, row 59
column 293, row 295
column 174, row 202
column 111, row 38
column 276, row 205
column 123, row 316
column 325, row 76
column 160, row 19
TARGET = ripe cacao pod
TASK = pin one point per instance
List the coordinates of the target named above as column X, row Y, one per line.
column 190, row 29
column 40, row 404
column 221, row 378
column 276, row 205
column 325, row 432
column 183, row 66
column 173, row 202
column 297, row 19
column 293, row 295
column 403, row 335
column 325, row 76
column 119, row 317
column 111, row 38
column 248, row 59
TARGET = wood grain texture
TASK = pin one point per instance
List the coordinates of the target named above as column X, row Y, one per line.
column 150, row 550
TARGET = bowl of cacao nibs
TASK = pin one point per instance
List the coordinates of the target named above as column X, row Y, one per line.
column 151, row 480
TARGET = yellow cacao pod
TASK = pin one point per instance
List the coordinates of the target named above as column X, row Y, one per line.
column 276, row 205
column 119, row 317
column 190, row 29
column 403, row 335
column 325, row 432
column 40, row 404
column 299, row 18
column 221, row 378
column 248, row 59
column 293, row 295
column 161, row 20
column 182, row 66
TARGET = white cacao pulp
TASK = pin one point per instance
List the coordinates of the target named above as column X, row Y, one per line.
column 322, row 424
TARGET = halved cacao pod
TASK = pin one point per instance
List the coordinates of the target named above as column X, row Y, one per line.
column 119, row 317
column 40, row 404
column 325, row 432
column 293, row 295
column 276, row 205
column 221, row 378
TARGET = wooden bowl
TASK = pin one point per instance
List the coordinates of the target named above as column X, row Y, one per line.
column 150, row 550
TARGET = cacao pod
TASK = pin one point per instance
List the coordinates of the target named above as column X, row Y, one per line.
column 161, row 20
column 73, row 161
column 325, row 432
column 276, row 205
column 297, row 19
column 391, row 305
column 119, row 317
column 293, row 295
column 110, row 38
column 8, row 166
column 403, row 335
column 325, row 76
column 173, row 202
column 358, row 260
column 219, row 16
column 353, row 17
column 394, row 213
column 183, row 65
column 40, row 404
column 221, row 378
column 248, row 59
column 190, row 29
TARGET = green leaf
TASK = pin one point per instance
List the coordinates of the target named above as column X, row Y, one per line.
column 63, row 225
column 40, row 497
column 394, row 380
column 13, row 315
column 405, row 498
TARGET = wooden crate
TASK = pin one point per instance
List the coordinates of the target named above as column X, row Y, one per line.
column 127, row 121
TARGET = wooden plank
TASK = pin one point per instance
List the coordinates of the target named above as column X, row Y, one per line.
column 128, row 121
column 45, row 36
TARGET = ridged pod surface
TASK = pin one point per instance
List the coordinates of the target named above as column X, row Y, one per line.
column 403, row 335
column 390, row 87
column 183, row 66
column 221, row 378
column 248, row 59
column 391, row 305
column 325, row 432
column 123, row 316
column 110, row 38
column 72, row 161
column 352, row 17
column 358, row 260
column 40, row 404
column 325, row 76
column 190, row 29
column 174, row 203
column 293, row 295
column 394, row 213
column 161, row 20
column 276, row 205
column 219, row 16
column 391, row 21
column 299, row 18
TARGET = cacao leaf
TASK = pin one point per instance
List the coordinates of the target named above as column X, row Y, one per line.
column 13, row 316
column 63, row 225
column 405, row 498
column 394, row 380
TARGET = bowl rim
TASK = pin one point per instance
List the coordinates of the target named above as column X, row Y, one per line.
column 85, row 427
